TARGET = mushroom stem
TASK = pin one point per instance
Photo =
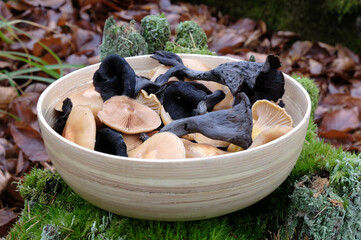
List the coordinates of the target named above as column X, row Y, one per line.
column 231, row 125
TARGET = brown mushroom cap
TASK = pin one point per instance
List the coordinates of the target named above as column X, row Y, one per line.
column 132, row 141
column 89, row 97
column 126, row 115
column 266, row 114
column 194, row 150
column 269, row 134
column 149, row 100
column 80, row 127
column 200, row 138
column 164, row 145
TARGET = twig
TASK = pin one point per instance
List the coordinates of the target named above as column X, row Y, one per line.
column 320, row 212
column 33, row 225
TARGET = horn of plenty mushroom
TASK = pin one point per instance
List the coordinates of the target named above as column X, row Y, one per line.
column 61, row 120
column 257, row 80
column 114, row 77
column 232, row 125
column 110, row 141
column 180, row 99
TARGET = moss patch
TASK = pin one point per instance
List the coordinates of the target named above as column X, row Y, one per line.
column 53, row 211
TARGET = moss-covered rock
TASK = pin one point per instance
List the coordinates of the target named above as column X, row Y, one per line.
column 156, row 31
column 190, row 35
column 123, row 40
column 332, row 211
column 190, row 38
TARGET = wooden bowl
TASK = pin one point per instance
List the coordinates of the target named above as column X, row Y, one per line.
column 172, row 190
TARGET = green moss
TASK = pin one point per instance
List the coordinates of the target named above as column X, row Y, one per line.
column 190, row 38
column 50, row 232
column 153, row 36
column 173, row 47
column 190, row 35
column 124, row 40
column 156, row 31
column 335, row 214
column 343, row 7
column 312, row 90
column 54, row 211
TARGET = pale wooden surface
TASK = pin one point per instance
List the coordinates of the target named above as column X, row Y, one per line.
column 166, row 189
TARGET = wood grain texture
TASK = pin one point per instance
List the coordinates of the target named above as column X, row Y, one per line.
column 166, row 189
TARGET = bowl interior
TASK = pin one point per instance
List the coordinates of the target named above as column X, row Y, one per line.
column 81, row 79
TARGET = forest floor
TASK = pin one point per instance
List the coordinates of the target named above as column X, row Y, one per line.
column 74, row 33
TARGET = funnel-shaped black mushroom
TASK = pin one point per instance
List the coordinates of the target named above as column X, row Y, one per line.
column 180, row 99
column 231, row 125
column 114, row 77
column 257, row 80
column 61, row 120
column 110, row 141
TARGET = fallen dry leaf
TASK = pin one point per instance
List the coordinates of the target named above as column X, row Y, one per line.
column 299, row 49
column 7, row 94
column 29, row 141
column 7, row 218
column 24, row 107
column 345, row 119
column 315, row 67
column 355, row 88
column 226, row 41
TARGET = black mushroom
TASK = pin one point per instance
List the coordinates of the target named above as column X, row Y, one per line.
column 231, row 125
column 181, row 99
column 145, row 84
column 61, row 120
column 257, row 80
column 110, row 141
column 114, row 77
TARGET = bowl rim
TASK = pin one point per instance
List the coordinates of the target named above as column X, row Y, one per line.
column 55, row 84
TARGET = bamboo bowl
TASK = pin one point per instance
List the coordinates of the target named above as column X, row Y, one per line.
column 172, row 190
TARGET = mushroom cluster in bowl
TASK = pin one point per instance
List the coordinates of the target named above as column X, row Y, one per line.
column 170, row 189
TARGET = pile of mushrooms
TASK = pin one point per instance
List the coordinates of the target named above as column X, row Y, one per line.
column 183, row 109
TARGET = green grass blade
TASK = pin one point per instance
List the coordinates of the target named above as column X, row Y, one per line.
column 52, row 73
column 31, row 77
column 50, row 67
column 11, row 25
column 5, row 39
column 11, row 115
column 12, row 54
